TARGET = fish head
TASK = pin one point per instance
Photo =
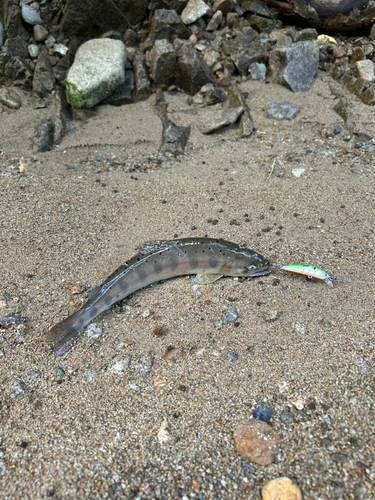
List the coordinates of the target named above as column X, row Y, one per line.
column 250, row 266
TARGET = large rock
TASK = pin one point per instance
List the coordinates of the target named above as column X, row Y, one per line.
column 142, row 83
column 338, row 15
column 98, row 69
column 295, row 66
column 166, row 25
column 177, row 5
column 44, row 79
column 86, row 19
column 245, row 49
column 163, row 64
column 192, row 70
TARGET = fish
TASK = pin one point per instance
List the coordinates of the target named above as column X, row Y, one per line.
column 208, row 258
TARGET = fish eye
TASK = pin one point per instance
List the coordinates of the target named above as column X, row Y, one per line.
column 248, row 268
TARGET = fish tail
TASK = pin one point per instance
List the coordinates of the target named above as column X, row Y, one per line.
column 61, row 336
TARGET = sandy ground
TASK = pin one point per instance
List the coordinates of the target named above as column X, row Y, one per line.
column 71, row 219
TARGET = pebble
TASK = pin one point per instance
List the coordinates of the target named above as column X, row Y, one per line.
column 93, row 333
column 263, row 414
column 16, row 388
column 218, row 323
column 271, row 315
column 194, row 10
column 60, row 372
column 297, row 172
column 144, row 366
column 30, row 16
column 257, row 441
column 135, row 387
column 231, row 316
column 160, row 381
column 283, row 110
column 163, row 434
column 60, row 49
column 33, row 50
column 281, row 488
column 50, row 42
column 8, row 321
column 247, row 468
column 40, row 33
column 299, row 328
column 232, row 356
column 287, row 417
column 119, row 364
column 174, row 354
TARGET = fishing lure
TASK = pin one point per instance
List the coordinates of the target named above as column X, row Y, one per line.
column 310, row 271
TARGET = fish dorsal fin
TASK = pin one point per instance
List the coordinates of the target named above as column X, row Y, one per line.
column 152, row 246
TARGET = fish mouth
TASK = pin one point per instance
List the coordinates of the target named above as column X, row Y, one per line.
column 259, row 272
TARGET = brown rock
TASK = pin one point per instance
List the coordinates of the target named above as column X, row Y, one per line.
column 224, row 5
column 192, row 70
column 166, row 24
column 357, row 55
column 174, row 354
column 281, row 489
column 257, row 441
column 368, row 96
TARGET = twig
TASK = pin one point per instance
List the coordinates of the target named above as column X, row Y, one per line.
column 272, row 169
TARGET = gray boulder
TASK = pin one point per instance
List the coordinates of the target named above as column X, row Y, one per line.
column 295, row 67
column 98, row 69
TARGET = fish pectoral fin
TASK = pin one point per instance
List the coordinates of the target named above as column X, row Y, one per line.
column 205, row 279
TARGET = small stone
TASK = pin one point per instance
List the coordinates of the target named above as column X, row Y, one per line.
column 40, row 33
column 163, row 434
column 298, row 172
column 33, row 51
column 17, row 387
column 263, row 414
column 299, row 403
column 327, row 323
column 226, row 117
column 174, row 354
column 160, row 381
column 135, row 387
column 215, row 21
column 60, row 372
column 9, row 321
column 194, row 10
column 93, row 333
column 358, row 54
column 119, row 364
column 305, row 34
column 30, row 16
column 299, row 328
column 360, row 492
column 281, row 488
column 231, row 316
column 271, row 315
column 247, row 468
column 146, row 313
column 232, row 356
column 9, row 98
column 144, row 365
column 287, row 417
column 258, row 71
column 365, row 70
column 257, row 441
column 283, row 110
column 218, row 323
column 60, row 49
column 50, row 42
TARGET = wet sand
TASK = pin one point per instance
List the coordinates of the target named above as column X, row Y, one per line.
column 71, row 219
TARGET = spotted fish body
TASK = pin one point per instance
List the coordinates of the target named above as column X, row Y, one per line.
column 165, row 259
